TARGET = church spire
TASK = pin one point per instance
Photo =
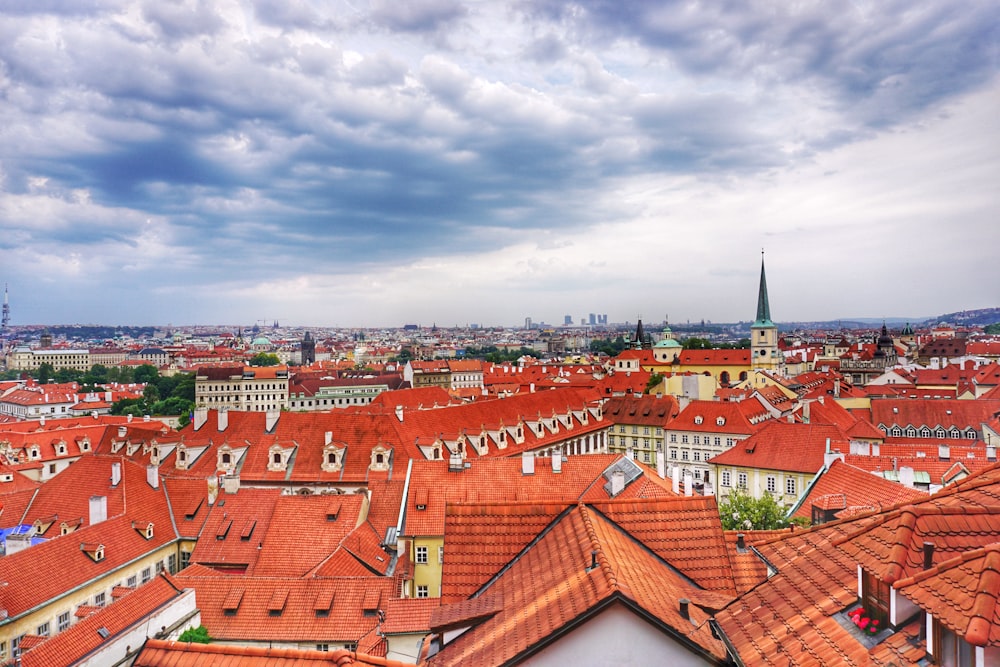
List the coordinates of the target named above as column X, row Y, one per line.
column 763, row 305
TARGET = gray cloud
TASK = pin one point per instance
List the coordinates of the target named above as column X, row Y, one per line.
column 266, row 142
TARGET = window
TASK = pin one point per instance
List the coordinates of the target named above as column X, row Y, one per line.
column 62, row 622
column 684, row 439
column 99, row 599
column 697, row 456
column 697, row 440
column 422, row 591
column 673, row 437
column 875, row 597
column 684, row 455
column 790, row 486
column 172, row 564
column 741, row 480
column 322, row 647
column 422, row 556
column 621, row 429
column 645, row 457
column 772, row 484
column 43, row 629
column 726, row 478
column 185, row 559
column 673, row 454
column 718, row 441
column 645, row 430
column 147, row 574
column 635, row 429
column 15, row 646
column 440, row 554
column 951, row 649
column 130, row 582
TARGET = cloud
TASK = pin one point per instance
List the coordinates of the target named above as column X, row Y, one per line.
column 445, row 157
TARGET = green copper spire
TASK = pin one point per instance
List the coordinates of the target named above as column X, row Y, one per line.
column 763, row 306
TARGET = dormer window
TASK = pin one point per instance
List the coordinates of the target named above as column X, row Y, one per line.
column 61, row 449
column 94, row 551
column 144, row 528
column 182, row 459
column 333, row 458
column 380, row 458
column 875, row 595
column 720, row 421
column 33, row 452
column 85, row 445
column 698, row 419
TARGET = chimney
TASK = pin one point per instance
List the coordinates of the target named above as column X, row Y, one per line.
column 200, row 416
column 223, row 418
column 805, row 412
column 928, row 555
column 836, row 388
column 327, row 438
column 399, row 413
column 685, row 608
column 122, row 431
column 108, row 397
column 271, row 420
column 213, row 490
column 688, row 484
column 231, row 483
column 675, row 477
column 98, row 509
column 830, row 456
column 906, row 476
column 455, row 462
column 741, row 544
column 617, row 482
column 145, row 418
column 116, row 473
column 661, row 464
column 527, row 463
column 153, row 476
column 556, row 461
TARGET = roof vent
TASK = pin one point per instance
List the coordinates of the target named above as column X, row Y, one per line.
column 685, row 610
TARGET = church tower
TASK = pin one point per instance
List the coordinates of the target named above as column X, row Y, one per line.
column 764, row 332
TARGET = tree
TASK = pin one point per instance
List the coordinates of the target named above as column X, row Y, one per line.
column 264, row 359
column 654, row 381
column 992, row 328
column 146, row 374
column 184, row 387
column 98, row 374
column 45, row 371
column 197, row 635
column 741, row 511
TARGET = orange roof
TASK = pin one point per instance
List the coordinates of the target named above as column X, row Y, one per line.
column 856, row 488
column 83, row 637
column 963, row 593
column 715, row 357
column 251, row 608
column 783, row 446
column 160, row 653
column 582, row 564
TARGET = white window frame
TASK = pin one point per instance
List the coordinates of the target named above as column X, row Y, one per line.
column 420, row 556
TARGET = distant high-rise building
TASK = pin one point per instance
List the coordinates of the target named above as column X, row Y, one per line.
column 527, row 323
column 593, row 318
column 568, row 320
column 6, row 311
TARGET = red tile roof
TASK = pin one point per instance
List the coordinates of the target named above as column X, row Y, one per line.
column 844, row 485
column 160, row 653
column 82, row 638
column 782, row 446
column 963, row 593
column 250, row 619
column 577, row 567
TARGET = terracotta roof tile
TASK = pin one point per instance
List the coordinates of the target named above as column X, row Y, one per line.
column 160, row 653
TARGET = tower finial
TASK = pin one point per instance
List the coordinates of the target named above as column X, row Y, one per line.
column 763, row 305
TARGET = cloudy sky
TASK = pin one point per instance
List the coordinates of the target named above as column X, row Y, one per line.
column 370, row 163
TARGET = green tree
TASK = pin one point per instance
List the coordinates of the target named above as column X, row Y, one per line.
column 68, row 375
column 197, row 635
column 45, row 371
column 146, row 373
column 264, row 359
column 184, row 387
column 150, row 394
column 654, row 381
column 129, row 406
column 741, row 511
column 992, row 329
column 98, row 374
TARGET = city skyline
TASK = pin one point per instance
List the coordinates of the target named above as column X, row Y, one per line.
column 376, row 164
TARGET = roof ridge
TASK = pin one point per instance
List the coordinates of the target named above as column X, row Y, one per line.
column 597, row 550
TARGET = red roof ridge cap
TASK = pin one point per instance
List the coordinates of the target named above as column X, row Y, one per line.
column 597, row 551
